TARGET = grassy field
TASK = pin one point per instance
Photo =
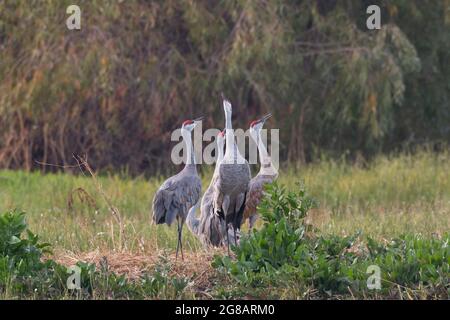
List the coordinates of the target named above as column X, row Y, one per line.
column 383, row 199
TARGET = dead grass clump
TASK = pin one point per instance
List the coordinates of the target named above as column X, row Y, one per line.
column 196, row 265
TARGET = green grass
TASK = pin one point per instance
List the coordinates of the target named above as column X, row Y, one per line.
column 384, row 199
column 388, row 197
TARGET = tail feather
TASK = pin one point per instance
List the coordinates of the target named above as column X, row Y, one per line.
column 163, row 210
column 171, row 215
column 159, row 210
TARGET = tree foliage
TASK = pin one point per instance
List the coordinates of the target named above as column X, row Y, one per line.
column 116, row 89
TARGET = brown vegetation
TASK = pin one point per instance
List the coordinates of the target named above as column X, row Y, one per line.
column 116, row 89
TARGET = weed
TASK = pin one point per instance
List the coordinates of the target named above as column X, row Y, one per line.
column 23, row 273
column 285, row 251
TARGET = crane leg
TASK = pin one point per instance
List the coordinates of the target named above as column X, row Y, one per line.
column 228, row 241
column 181, row 242
column 178, row 239
column 179, row 245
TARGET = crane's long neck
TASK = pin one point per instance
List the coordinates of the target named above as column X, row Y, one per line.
column 264, row 158
column 229, row 133
column 219, row 152
column 219, row 156
column 191, row 220
column 190, row 159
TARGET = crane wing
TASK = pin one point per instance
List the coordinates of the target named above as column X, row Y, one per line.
column 175, row 197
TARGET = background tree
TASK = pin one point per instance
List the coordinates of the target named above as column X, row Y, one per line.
column 116, row 89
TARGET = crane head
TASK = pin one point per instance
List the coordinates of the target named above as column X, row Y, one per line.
column 226, row 105
column 258, row 124
column 190, row 124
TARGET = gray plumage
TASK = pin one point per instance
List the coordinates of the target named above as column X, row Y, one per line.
column 176, row 196
column 254, row 196
column 231, row 185
column 210, row 228
column 267, row 174
column 230, row 190
column 179, row 193
column 192, row 222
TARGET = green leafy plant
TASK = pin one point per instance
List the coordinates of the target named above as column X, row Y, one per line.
column 23, row 272
column 20, row 257
column 276, row 243
column 286, row 251
column 21, row 251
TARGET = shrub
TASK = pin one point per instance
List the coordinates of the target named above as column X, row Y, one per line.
column 23, row 273
column 20, row 258
column 21, row 251
column 286, row 251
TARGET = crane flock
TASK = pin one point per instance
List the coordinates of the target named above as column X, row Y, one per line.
column 231, row 197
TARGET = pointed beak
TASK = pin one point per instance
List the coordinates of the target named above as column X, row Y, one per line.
column 199, row 119
column 267, row 116
column 225, row 101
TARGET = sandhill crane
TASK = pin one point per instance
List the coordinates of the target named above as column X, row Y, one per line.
column 210, row 228
column 233, row 176
column 267, row 173
column 178, row 194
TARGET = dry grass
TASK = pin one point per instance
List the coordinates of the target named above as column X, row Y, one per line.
column 196, row 266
